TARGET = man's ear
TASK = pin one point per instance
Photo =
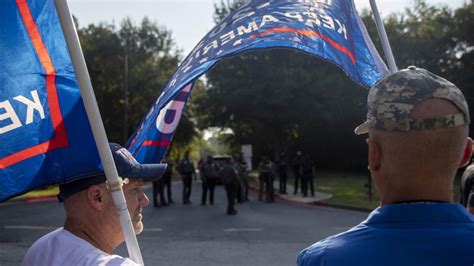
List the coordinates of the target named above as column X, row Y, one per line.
column 95, row 197
column 375, row 155
column 466, row 158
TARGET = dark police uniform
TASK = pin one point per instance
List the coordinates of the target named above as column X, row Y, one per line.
column 282, row 167
column 297, row 164
column 266, row 177
column 230, row 177
column 167, row 176
column 186, row 169
column 209, row 178
column 307, row 177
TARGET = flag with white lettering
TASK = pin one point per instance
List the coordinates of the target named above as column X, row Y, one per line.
column 329, row 29
column 45, row 137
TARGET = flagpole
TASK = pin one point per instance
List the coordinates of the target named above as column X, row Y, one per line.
column 387, row 50
column 114, row 182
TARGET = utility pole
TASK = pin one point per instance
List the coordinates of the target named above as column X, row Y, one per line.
column 125, row 93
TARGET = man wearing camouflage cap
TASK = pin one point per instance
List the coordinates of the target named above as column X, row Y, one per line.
column 418, row 137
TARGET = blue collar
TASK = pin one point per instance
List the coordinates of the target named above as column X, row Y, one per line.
column 420, row 213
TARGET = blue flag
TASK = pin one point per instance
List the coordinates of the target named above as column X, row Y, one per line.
column 45, row 137
column 329, row 29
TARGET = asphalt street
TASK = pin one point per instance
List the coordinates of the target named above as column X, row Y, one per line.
column 260, row 234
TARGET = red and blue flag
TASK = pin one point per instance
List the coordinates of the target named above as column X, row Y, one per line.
column 45, row 137
column 329, row 29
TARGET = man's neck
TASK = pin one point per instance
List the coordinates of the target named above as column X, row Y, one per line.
column 412, row 197
column 94, row 234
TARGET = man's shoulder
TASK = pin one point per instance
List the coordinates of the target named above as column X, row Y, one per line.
column 61, row 247
column 53, row 236
column 318, row 253
column 314, row 254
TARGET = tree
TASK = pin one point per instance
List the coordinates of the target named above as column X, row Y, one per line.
column 141, row 58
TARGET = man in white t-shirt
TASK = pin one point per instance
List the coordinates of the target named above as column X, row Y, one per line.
column 92, row 229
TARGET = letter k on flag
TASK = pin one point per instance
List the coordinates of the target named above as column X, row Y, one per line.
column 45, row 137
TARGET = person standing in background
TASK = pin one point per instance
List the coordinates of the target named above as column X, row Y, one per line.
column 208, row 170
column 267, row 175
column 167, row 177
column 297, row 164
column 307, row 177
column 158, row 190
column 230, row 177
column 282, row 166
column 186, row 170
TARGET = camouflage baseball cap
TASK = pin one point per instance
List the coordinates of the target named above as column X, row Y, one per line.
column 392, row 99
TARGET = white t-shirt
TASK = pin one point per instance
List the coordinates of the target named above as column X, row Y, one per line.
column 61, row 247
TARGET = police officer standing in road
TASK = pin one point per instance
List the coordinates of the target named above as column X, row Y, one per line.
column 297, row 164
column 244, row 182
column 230, row 177
column 167, row 176
column 209, row 171
column 186, row 170
column 282, row 167
column 307, row 176
column 158, row 190
column 267, row 175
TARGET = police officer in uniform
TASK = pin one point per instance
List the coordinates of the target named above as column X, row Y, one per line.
column 230, row 177
column 282, row 167
column 241, row 166
column 209, row 171
column 167, row 176
column 186, row 170
column 267, row 175
column 307, row 177
column 297, row 164
column 158, row 189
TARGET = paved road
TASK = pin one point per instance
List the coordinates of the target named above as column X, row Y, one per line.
column 261, row 233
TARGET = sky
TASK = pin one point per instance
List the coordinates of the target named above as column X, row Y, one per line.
column 190, row 20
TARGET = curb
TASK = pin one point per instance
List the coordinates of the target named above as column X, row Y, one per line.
column 253, row 187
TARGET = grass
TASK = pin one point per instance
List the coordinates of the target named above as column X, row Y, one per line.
column 350, row 189
column 347, row 189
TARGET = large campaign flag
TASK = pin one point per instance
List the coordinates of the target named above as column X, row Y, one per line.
column 45, row 137
column 329, row 29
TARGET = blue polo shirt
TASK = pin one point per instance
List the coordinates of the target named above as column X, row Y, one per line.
column 401, row 234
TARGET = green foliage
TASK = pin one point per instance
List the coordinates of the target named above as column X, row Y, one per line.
column 224, row 8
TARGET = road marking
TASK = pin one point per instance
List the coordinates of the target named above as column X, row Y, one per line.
column 243, row 230
column 152, row 229
column 29, row 227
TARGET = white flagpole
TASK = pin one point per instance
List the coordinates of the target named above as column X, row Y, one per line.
column 392, row 66
column 113, row 180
